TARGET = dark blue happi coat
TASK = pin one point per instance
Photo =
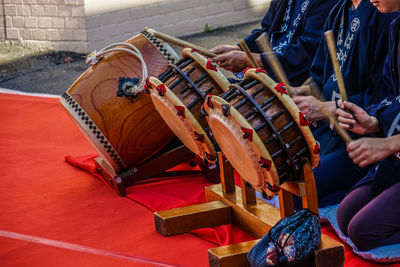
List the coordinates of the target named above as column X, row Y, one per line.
column 362, row 44
column 389, row 83
column 295, row 29
column 387, row 171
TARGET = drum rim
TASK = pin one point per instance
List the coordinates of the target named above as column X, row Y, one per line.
column 294, row 111
column 112, row 157
column 93, row 133
column 216, row 75
column 256, row 146
column 189, row 121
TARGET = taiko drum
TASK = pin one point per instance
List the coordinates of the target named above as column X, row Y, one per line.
column 261, row 131
column 178, row 95
column 124, row 130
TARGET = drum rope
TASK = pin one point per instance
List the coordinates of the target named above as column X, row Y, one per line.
column 94, row 57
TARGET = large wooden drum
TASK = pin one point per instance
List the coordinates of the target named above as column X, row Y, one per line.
column 261, row 131
column 178, row 95
column 124, row 129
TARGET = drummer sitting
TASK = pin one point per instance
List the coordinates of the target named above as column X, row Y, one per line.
column 295, row 29
column 361, row 35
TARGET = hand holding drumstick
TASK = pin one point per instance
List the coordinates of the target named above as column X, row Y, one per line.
column 232, row 58
column 314, row 104
column 355, row 119
column 367, row 150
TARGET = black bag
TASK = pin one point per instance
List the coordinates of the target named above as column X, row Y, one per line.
column 290, row 241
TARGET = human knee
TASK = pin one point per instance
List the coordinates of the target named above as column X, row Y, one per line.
column 360, row 234
column 342, row 219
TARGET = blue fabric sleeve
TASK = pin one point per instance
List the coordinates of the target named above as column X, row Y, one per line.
column 266, row 23
column 297, row 56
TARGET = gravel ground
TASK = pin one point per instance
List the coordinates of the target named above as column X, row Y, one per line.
column 50, row 72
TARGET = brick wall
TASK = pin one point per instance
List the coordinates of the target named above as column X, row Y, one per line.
column 85, row 25
column 174, row 17
column 56, row 24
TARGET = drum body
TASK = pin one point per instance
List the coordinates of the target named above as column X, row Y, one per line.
column 261, row 131
column 178, row 95
column 124, row 130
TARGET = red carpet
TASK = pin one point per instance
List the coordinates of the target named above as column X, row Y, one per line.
column 71, row 219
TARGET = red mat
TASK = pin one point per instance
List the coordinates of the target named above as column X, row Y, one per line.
column 43, row 196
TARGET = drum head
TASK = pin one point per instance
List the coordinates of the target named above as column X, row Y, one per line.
column 180, row 120
column 240, row 143
column 294, row 111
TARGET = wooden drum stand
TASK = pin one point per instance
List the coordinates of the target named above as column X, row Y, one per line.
column 156, row 166
column 228, row 203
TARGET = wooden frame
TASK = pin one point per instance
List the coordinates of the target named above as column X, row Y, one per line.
column 153, row 167
column 227, row 203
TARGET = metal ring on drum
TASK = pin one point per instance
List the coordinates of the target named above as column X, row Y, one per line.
column 261, row 131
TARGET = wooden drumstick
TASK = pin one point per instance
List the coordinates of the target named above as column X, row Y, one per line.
column 330, row 41
column 263, row 44
column 265, row 47
column 181, row 43
column 339, row 130
column 246, row 49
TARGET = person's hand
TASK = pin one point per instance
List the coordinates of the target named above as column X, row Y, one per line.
column 299, row 90
column 234, row 61
column 222, row 49
column 365, row 151
column 314, row 109
column 353, row 118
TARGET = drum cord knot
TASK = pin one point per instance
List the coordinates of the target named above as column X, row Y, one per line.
column 94, row 57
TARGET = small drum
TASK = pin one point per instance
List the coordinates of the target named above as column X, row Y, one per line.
column 261, row 131
column 178, row 95
column 124, row 129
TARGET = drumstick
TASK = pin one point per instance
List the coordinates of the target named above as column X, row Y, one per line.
column 339, row 130
column 278, row 70
column 264, row 45
column 330, row 41
column 246, row 49
column 181, row 43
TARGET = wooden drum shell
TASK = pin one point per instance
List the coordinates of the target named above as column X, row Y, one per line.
column 187, row 84
column 123, row 130
column 256, row 122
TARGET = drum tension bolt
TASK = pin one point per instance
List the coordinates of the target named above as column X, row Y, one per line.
column 181, row 111
column 265, row 163
column 199, row 137
column 203, row 111
column 226, row 110
column 265, row 195
column 210, row 157
column 248, row 134
column 209, row 103
column 274, row 189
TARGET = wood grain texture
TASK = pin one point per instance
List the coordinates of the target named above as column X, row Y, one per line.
column 184, row 219
column 131, row 125
column 279, row 118
column 258, row 219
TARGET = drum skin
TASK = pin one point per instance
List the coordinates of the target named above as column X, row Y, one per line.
column 214, row 84
column 261, row 131
column 185, row 86
column 125, row 130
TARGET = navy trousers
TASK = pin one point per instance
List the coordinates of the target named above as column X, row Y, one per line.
column 371, row 221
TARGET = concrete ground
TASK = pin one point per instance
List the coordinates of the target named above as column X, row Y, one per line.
column 47, row 72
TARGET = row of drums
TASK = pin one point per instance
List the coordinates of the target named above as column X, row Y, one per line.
column 254, row 122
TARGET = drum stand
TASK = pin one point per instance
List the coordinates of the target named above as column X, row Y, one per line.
column 227, row 203
column 155, row 166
